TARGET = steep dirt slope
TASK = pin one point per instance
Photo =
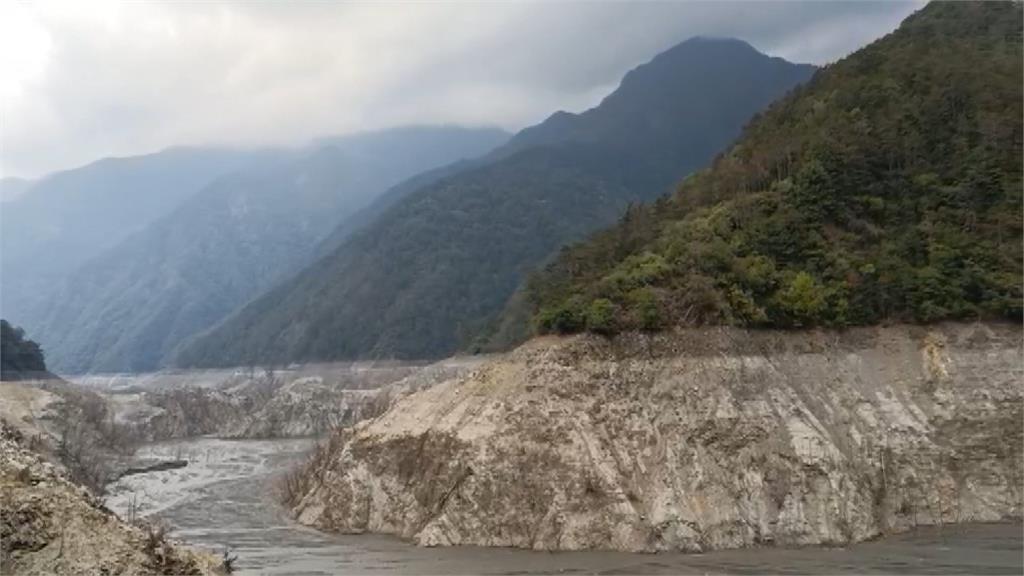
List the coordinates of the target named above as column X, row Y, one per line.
column 692, row 440
column 49, row 525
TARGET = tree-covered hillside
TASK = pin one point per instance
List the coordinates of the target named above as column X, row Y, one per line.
column 19, row 356
column 888, row 188
column 438, row 266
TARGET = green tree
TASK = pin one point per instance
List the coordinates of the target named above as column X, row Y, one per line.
column 802, row 301
column 601, row 316
column 19, row 356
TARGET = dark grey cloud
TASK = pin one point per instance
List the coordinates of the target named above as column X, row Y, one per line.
column 80, row 81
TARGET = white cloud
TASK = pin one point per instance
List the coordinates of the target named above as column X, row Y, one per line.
column 83, row 80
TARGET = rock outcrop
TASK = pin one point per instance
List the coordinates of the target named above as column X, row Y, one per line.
column 693, row 440
column 49, row 525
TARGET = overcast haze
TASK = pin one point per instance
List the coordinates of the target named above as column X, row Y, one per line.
column 80, row 81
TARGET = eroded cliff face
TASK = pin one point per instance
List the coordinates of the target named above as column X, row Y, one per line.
column 694, row 440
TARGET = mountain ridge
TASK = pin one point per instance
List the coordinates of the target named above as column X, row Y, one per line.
column 435, row 267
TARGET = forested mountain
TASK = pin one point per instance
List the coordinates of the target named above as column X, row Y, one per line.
column 888, row 188
column 368, row 215
column 127, row 309
column 64, row 219
column 434, row 269
column 19, row 357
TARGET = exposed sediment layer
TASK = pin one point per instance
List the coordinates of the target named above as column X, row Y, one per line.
column 49, row 525
column 693, row 440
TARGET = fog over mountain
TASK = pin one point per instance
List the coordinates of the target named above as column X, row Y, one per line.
column 83, row 81
column 11, row 188
column 126, row 308
column 62, row 221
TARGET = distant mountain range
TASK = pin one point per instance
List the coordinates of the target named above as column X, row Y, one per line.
column 56, row 224
column 434, row 269
column 148, row 251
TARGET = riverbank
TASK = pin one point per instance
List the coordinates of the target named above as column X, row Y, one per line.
column 228, row 503
column 693, row 440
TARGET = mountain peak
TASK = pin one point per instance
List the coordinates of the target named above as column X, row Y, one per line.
column 702, row 54
column 710, row 43
column 694, row 72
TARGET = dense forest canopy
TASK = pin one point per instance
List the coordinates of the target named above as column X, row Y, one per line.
column 886, row 189
column 18, row 355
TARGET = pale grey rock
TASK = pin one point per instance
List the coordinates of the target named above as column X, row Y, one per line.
column 695, row 440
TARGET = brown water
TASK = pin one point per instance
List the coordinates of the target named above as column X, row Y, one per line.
column 224, row 499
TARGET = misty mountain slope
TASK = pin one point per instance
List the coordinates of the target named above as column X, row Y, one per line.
column 886, row 189
column 64, row 219
column 436, row 267
column 127, row 309
column 11, row 188
column 366, row 216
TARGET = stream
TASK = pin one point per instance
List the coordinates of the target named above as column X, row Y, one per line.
column 224, row 499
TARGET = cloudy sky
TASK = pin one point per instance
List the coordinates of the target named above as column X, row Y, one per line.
column 86, row 79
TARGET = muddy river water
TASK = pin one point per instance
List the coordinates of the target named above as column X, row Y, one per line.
column 224, row 499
